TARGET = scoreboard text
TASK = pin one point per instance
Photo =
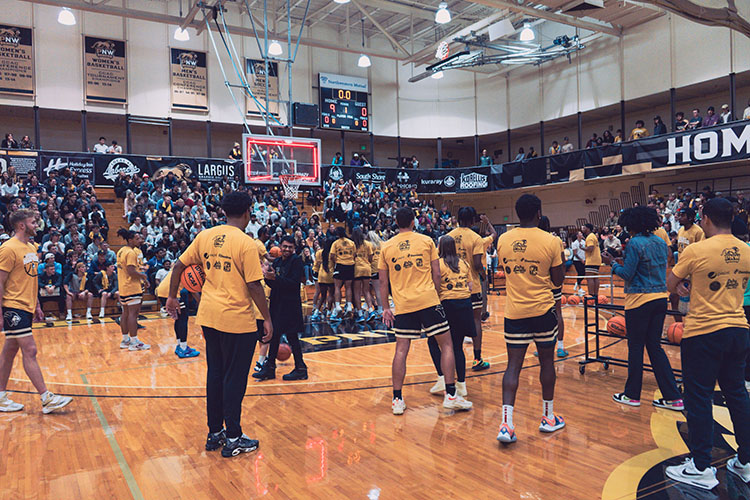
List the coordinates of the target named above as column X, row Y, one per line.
column 343, row 109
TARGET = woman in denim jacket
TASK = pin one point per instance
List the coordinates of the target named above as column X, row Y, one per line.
column 644, row 272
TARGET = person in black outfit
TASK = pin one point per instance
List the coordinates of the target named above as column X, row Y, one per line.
column 284, row 278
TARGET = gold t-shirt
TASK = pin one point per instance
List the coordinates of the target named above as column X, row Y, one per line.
column 324, row 277
column 375, row 258
column 126, row 284
column 593, row 257
column 454, row 285
column 469, row 244
column 230, row 260
column 718, row 269
column 344, row 250
column 21, row 262
column 636, row 300
column 527, row 255
column 662, row 233
column 363, row 261
column 687, row 237
column 408, row 257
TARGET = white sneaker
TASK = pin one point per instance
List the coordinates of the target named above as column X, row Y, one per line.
column 139, row 346
column 468, row 340
column 456, row 403
column 101, row 313
column 747, row 385
column 735, row 467
column 8, row 405
column 575, row 287
column 88, row 315
column 163, row 312
column 69, row 318
column 54, row 402
column 581, row 292
column 398, row 406
column 439, row 387
column 687, row 473
column 461, row 389
column 125, row 344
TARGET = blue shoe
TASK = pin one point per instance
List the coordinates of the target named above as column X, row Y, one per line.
column 191, row 353
column 336, row 316
column 315, row 318
column 360, row 317
column 373, row 315
column 562, row 353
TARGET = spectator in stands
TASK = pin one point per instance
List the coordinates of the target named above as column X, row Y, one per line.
column 236, row 152
column 9, row 189
column 746, row 113
column 337, row 160
column 607, row 137
column 162, row 273
column 485, row 160
column 49, row 261
column 54, row 240
column 531, row 153
column 639, row 132
column 611, row 220
column 9, row 142
column 711, row 118
column 726, row 114
column 659, row 127
column 593, row 142
column 356, row 161
column 114, row 149
column 414, row 162
column 109, row 254
column 618, row 135
column 104, row 286
column 137, row 225
column 146, row 185
column 101, row 146
column 554, row 148
column 613, row 245
column 696, row 121
column 128, row 204
column 75, row 289
column 26, row 143
column 50, row 288
column 521, row 155
column 680, row 123
column 566, row 147
column 94, row 247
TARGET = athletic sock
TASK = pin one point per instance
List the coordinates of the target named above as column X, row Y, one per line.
column 450, row 389
column 547, row 409
column 397, row 394
column 508, row 415
column 477, row 354
column 134, row 340
column 560, row 344
column 44, row 395
column 3, row 394
column 126, row 338
column 262, row 359
column 88, row 310
column 70, row 313
column 183, row 345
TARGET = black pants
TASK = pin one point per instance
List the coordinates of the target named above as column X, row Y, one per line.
column 228, row 356
column 580, row 270
column 293, row 341
column 644, row 326
column 181, row 323
column 721, row 356
column 460, row 317
column 747, row 362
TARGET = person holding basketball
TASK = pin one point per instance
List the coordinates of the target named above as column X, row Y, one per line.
column 342, row 259
column 130, row 290
column 644, row 272
column 182, row 350
column 233, row 275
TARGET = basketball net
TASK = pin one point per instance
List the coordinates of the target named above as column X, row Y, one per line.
column 291, row 184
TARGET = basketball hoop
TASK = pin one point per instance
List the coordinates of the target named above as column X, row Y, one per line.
column 291, row 184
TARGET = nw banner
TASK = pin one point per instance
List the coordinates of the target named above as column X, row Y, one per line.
column 16, row 60
column 255, row 69
column 105, row 71
column 188, row 80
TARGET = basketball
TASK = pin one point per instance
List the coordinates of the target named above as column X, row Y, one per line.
column 616, row 326
column 674, row 333
column 603, row 299
column 275, row 252
column 574, row 300
column 193, row 278
column 590, row 301
column 284, row 352
column 563, row 300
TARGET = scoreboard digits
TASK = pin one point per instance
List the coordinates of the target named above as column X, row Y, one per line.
column 343, row 109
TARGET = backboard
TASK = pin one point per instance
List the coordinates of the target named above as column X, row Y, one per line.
column 266, row 157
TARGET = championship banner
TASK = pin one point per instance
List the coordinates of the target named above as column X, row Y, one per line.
column 16, row 60
column 24, row 162
column 81, row 163
column 104, row 70
column 255, row 69
column 188, row 80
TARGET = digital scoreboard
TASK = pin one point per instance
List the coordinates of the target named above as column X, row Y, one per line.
column 343, row 102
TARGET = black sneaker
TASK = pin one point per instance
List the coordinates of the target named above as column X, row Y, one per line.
column 258, row 366
column 242, row 444
column 485, row 316
column 296, row 374
column 216, row 441
column 266, row 373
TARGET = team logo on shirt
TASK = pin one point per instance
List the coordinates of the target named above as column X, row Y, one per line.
column 533, row 270
column 408, row 264
column 30, row 264
column 715, row 286
column 219, row 240
column 519, row 246
column 404, row 246
column 732, row 284
column 731, row 255
column 519, row 269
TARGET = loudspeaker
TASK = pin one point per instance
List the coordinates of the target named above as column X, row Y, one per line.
column 306, row 115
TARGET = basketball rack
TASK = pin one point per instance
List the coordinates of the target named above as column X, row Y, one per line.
column 291, row 184
column 592, row 329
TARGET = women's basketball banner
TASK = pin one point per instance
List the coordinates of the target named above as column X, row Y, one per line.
column 256, row 80
column 16, row 60
column 188, row 80
column 105, row 71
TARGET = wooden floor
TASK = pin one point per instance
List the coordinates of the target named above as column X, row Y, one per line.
column 137, row 427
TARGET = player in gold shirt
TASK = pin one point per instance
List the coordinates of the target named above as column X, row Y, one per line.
column 376, row 243
column 688, row 234
column 233, row 274
column 342, row 259
column 409, row 264
column 533, row 267
column 362, row 273
column 323, row 300
column 129, row 279
column 455, row 297
column 19, row 305
column 715, row 343
column 593, row 259
column 545, row 225
column 471, row 247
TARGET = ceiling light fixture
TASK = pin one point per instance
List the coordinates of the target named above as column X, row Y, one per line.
column 364, row 59
column 443, row 15
column 181, row 35
column 66, row 17
column 341, row 1
column 274, row 48
column 438, row 75
column 527, row 34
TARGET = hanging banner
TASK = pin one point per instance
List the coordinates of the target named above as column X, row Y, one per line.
column 211, row 170
column 24, row 162
column 105, row 71
column 188, row 80
column 443, row 180
column 16, row 60
column 108, row 167
column 255, row 70
column 81, row 163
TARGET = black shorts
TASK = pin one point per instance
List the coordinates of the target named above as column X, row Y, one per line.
column 375, row 276
column 460, row 316
column 131, row 300
column 17, row 323
column 430, row 321
column 541, row 329
column 557, row 294
column 476, row 300
column 325, row 286
column 592, row 269
column 343, row 272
